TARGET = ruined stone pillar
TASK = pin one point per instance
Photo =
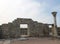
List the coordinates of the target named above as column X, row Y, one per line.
column 55, row 25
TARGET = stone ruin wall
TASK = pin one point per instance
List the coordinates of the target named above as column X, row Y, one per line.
column 12, row 30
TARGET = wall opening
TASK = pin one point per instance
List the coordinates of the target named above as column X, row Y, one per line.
column 50, row 30
column 24, row 29
column 23, row 25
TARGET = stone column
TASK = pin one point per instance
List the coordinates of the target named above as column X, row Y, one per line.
column 55, row 25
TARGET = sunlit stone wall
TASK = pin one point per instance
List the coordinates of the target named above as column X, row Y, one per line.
column 35, row 29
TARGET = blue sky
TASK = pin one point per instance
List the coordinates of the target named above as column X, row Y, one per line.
column 38, row 10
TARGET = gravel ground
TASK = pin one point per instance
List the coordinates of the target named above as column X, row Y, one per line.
column 37, row 41
column 32, row 41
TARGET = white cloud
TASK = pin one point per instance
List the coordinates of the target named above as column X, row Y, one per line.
column 12, row 9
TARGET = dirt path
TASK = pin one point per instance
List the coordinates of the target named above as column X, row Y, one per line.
column 31, row 41
column 37, row 41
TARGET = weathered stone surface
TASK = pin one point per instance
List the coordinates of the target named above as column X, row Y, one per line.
column 13, row 30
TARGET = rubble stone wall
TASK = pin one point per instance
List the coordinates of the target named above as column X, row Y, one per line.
column 12, row 30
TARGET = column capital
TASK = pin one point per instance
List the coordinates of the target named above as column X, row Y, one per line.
column 54, row 13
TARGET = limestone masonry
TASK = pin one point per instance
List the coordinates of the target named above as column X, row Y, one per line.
column 34, row 29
